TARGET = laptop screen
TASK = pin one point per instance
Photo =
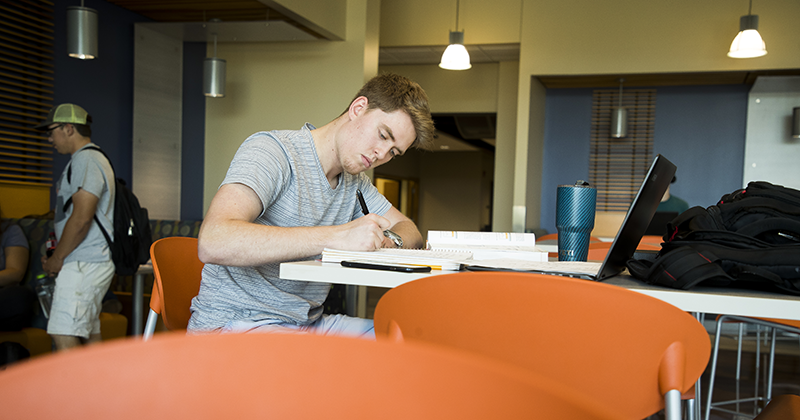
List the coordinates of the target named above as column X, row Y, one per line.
column 639, row 216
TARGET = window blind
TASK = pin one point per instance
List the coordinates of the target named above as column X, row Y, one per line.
column 26, row 91
column 618, row 166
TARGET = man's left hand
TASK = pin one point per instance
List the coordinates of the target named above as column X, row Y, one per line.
column 52, row 266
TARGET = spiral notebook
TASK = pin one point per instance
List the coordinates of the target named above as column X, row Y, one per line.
column 639, row 215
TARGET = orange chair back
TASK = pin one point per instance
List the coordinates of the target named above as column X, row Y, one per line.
column 177, row 271
column 279, row 376
column 626, row 348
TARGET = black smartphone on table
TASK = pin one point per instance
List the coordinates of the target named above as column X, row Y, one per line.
column 403, row 268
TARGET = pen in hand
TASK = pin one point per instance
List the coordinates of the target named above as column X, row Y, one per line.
column 387, row 233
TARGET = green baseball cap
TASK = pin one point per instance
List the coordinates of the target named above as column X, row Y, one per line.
column 66, row 113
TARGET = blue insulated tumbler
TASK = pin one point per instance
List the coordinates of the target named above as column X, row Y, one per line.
column 575, row 208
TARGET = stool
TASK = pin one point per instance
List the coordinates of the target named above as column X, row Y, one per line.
column 36, row 340
column 113, row 326
column 775, row 325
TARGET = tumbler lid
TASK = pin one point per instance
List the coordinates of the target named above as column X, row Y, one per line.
column 579, row 184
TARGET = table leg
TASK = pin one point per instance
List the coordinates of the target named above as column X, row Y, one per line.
column 138, row 301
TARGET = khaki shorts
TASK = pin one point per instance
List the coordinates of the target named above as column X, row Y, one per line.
column 78, row 297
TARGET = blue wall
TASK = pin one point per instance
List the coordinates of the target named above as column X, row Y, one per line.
column 104, row 87
column 699, row 128
column 193, row 131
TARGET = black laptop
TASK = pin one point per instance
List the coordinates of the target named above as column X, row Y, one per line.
column 658, row 226
column 630, row 233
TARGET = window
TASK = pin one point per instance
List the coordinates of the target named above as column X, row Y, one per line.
column 26, row 92
column 618, row 166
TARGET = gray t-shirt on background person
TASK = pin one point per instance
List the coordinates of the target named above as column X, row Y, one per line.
column 90, row 171
column 283, row 169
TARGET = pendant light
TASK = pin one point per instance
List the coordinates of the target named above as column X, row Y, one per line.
column 214, row 75
column 456, row 57
column 81, row 32
column 619, row 117
column 748, row 42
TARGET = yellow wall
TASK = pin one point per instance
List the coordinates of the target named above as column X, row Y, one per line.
column 326, row 16
column 634, row 36
column 273, row 86
column 23, row 200
column 573, row 37
column 446, row 89
column 429, row 22
column 283, row 85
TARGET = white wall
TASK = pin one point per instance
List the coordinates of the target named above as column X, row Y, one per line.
column 278, row 85
column 157, row 107
column 771, row 154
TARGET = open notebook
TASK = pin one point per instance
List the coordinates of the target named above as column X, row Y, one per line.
column 630, row 233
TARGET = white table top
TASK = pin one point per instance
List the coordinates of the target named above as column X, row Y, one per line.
column 700, row 299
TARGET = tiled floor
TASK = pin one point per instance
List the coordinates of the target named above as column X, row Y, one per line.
column 786, row 376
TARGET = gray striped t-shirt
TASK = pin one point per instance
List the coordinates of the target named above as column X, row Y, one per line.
column 283, row 169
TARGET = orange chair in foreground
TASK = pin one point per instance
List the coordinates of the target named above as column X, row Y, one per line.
column 280, row 376
column 177, row 271
column 635, row 353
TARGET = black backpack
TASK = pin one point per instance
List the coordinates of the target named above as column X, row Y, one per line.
column 132, row 237
column 749, row 239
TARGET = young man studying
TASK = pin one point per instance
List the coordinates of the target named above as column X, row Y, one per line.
column 289, row 194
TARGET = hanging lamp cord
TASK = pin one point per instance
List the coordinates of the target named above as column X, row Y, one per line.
column 458, row 2
column 215, row 45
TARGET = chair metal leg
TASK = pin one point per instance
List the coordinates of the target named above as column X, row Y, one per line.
column 713, row 366
column 691, row 409
column 758, row 368
column 739, row 364
column 150, row 327
column 672, row 405
column 771, row 366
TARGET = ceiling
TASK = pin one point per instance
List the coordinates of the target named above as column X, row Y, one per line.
column 254, row 21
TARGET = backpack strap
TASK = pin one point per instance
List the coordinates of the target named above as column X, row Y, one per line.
column 681, row 268
column 113, row 179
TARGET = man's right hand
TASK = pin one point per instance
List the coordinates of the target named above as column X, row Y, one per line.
column 362, row 234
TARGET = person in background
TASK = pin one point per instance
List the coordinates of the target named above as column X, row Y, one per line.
column 15, row 299
column 290, row 194
column 81, row 261
column 671, row 203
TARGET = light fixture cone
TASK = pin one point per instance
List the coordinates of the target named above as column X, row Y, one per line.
column 82, row 32
column 748, row 42
column 214, row 77
column 455, row 57
column 619, row 122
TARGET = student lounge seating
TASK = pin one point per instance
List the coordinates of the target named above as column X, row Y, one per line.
column 177, row 271
column 636, row 353
column 281, row 376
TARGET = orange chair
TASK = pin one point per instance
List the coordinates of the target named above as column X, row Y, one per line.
column 598, row 251
column 635, row 353
column 775, row 325
column 653, row 240
column 782, row 407
column 280, row 376
column 177, row 271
